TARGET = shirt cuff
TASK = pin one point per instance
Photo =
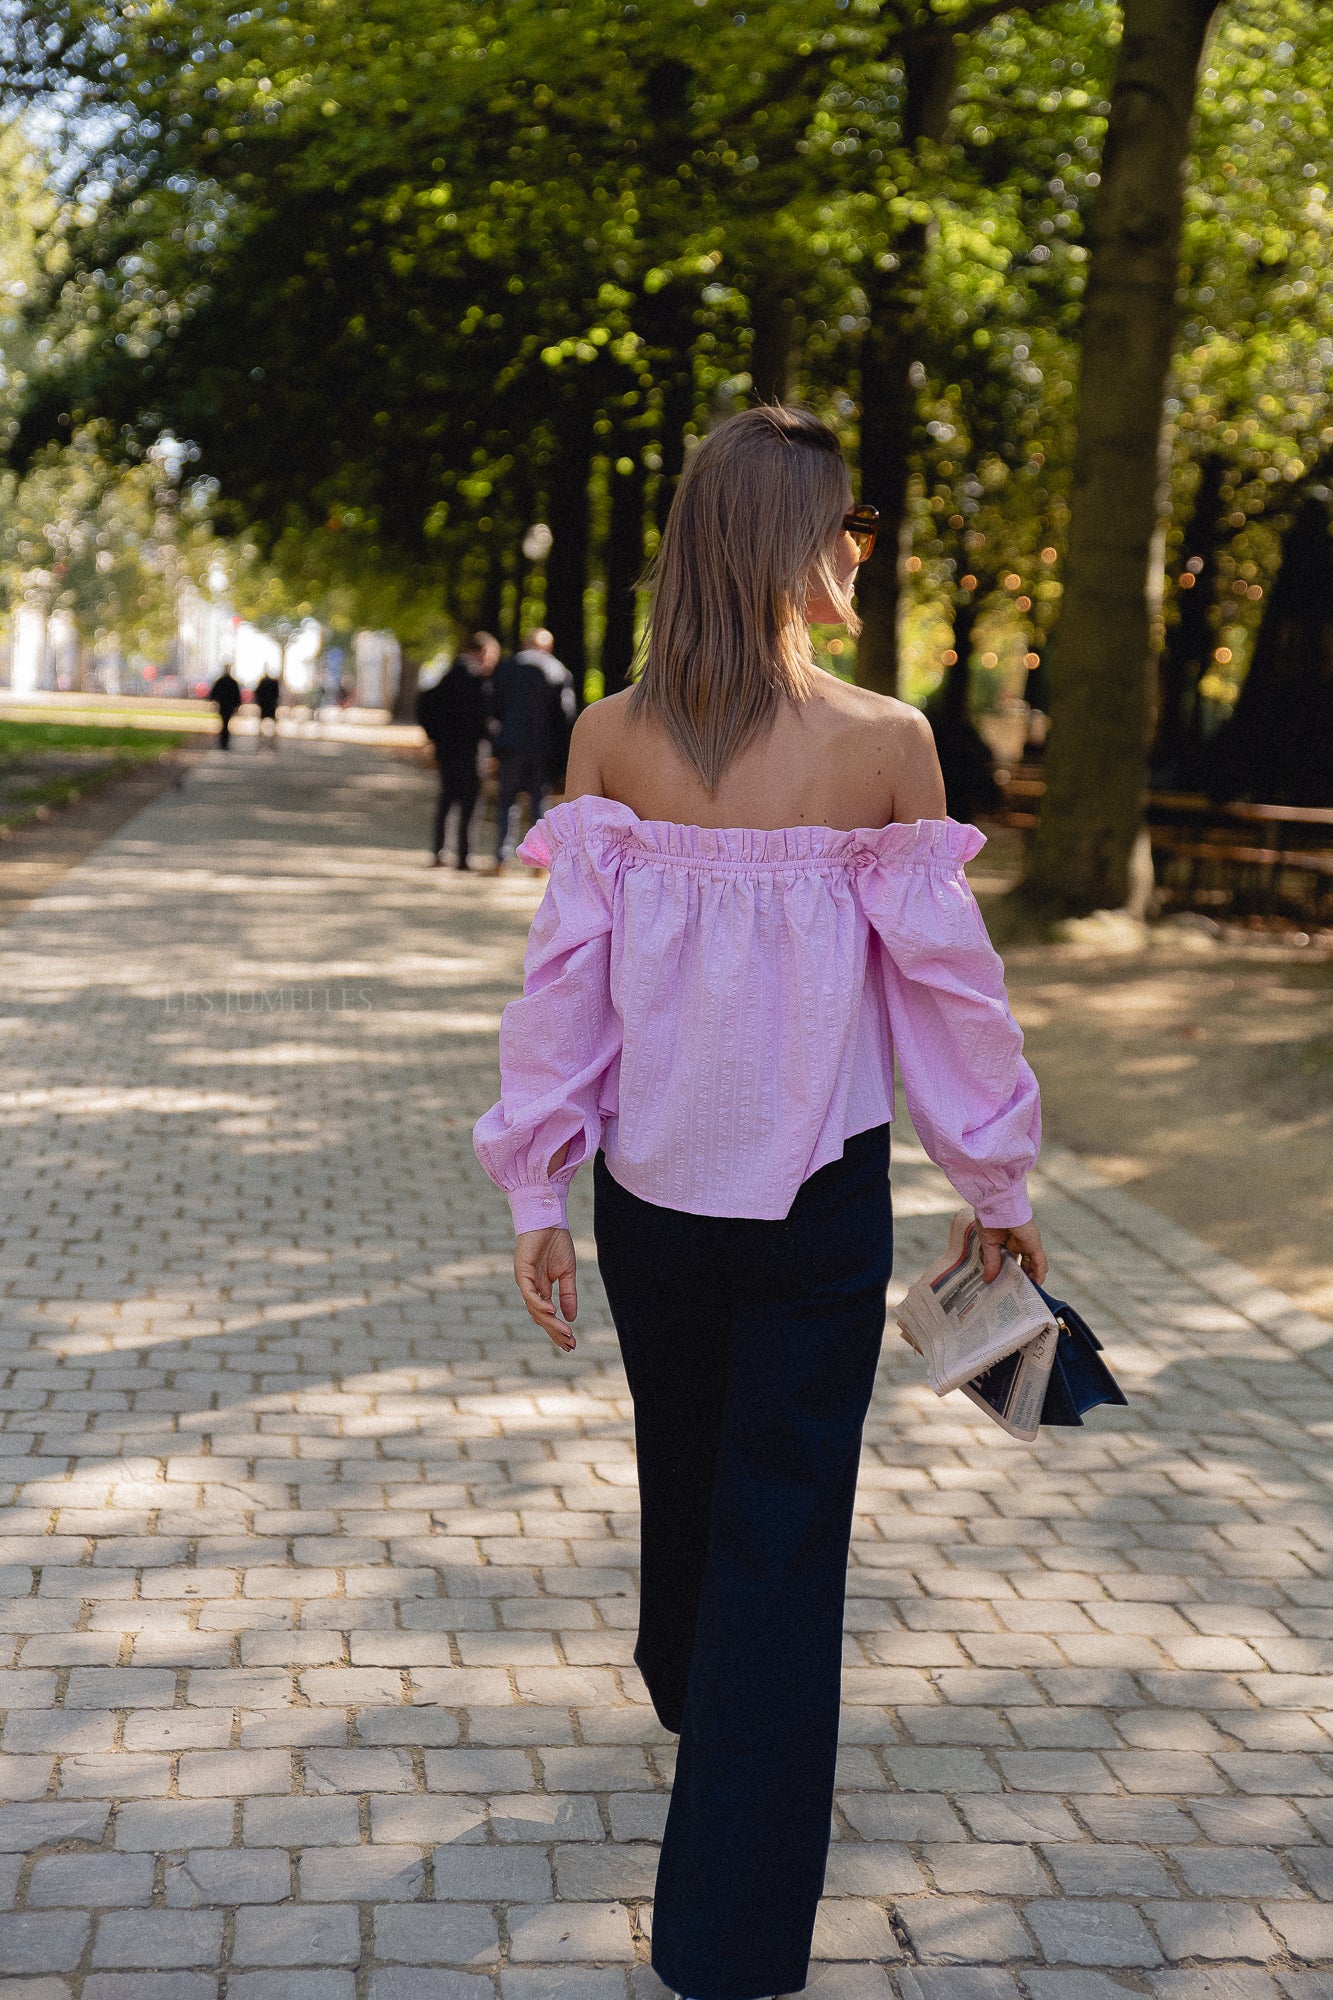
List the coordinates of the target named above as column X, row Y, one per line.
column 539, row 1207
column 1009, row 1210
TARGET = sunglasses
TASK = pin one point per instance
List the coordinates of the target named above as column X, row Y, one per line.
column 862, row 524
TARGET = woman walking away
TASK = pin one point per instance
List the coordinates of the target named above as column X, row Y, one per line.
column 755, row 900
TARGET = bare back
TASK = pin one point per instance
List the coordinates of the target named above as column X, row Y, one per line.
column 844, row 758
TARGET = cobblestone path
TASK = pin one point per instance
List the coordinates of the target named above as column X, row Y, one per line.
column 318, row 1575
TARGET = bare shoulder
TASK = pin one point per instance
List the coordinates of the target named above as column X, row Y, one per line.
column 899, row 743
column 593, row 742
column 890, row 723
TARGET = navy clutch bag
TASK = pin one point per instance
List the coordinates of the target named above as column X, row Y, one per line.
column 1080, row 1379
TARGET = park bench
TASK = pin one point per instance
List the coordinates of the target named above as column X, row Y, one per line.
column 1234, row 859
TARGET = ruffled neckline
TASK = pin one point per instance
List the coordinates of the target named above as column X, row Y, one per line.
column 604, row 827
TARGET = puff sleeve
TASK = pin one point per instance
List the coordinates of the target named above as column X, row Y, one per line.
column 972, row 1097
column 560, row 1043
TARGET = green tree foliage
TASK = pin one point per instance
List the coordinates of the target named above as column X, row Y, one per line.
column 412, row 278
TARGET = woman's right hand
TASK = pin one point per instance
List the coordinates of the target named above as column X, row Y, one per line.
column 1024, row 1242
column 543, row 1263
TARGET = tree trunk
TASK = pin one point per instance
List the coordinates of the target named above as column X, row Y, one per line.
column 491, row 600
column 1179, row 740
column 773, row 339
column 888, row 414
column 1103, row 650
column 966, row 763
column 624, row 565
column 1276, row 746
column 567, row 563
column 677, row 409
column 895, row 309
column 409, row 677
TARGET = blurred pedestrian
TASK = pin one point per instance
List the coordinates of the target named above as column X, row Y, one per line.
column 538, row 647
column 455, row 714
column 225, row 695
column 525, row 702
column 268, row 693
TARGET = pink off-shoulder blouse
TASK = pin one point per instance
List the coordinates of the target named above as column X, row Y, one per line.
column 719, row 1011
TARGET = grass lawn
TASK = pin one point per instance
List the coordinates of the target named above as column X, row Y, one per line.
column 48, row 764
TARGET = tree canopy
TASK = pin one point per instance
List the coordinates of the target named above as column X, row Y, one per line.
column 410, row 278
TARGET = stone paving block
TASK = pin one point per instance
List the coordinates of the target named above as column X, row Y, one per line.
column 909, row 1816
column 1315, row 1866
column 1043, row 1984
column 165, row 1825
column 298, row 1822
column 986, row 1868
column 482, row 1772
column 600, row 1769
column 1221, row 1930
column 638, row 1815
column 1287, row 1776
column 1154, row 1822
column 562, row 1983
column 118, row 1775
column 25, row 1777
column 854, row 1930
column 1230, row 1982
column 120, row 1687
column 288, row 1985
column 436, row 1935
column 23, row 1827
column 489, row 1874
column 156, row 1940
column 228, row 1875
column 177, row 1729
column 150, row 1986
column 972, row 1982
column 404, row 1982
column 874, row 1868
column 1017, row 1816
column 320, row 1935
column 942, row 1770
column 42, row 1942
column 560, row 1932
column 214, row 1774
column 1246, row 1822
column 1105, row 1868
column 58, row 1729
column 1055, row 1771
column 1084, row 1932
column 360, row 1874
column 1236, row 1871
column 543, row 1816
column 1306, row 1985
column 90, row 1881
column 966, row 1930
column 1306, row 1929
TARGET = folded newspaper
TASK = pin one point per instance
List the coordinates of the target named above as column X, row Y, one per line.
column 996, row 1342
column 1023, row 1357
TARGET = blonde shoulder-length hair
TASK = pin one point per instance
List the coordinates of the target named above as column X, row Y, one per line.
column 751, row 533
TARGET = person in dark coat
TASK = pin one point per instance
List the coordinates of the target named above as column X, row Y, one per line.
column 538, row 647
column 225, row 695
column 530, row 730
column 268, row 693
column 455, row 714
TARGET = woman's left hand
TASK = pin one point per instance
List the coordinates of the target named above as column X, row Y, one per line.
column 544, row 1262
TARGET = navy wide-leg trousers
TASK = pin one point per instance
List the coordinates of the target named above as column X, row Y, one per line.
column 751, row 1350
